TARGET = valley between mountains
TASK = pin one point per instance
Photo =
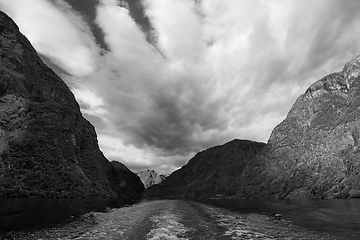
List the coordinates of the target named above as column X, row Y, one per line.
column 49, row 150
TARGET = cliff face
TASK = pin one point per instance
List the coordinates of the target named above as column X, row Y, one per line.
column 314, row 152
column 47, row 149
column 150, row 177
column 211, row 173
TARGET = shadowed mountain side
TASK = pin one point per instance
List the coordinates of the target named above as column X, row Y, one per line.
column 314, row 152
column 128, row 180
column 150, row 177
column 47, row 149
column 210, row 173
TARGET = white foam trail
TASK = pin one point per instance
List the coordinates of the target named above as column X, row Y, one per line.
column 173, row 220
column 167, row 226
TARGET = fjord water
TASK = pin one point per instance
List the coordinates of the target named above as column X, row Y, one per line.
column 26, row 213
column 179, row 219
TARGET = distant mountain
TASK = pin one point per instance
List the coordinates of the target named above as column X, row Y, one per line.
column 47, row 149
column 211, row 173
column 150, row 177
column 313, row 153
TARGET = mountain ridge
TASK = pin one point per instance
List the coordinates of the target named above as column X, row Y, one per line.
column 203, row 175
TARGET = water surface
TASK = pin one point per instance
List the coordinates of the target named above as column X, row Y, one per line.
column 26, row 213
column 338, row 217
column 205, row 219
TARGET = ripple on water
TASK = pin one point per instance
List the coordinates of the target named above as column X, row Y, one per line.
column 166, row 225
column 238, row 228
column 258, row 226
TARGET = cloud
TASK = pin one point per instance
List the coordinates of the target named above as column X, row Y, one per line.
column 57, row 32
column 139, row 159
column 213, row 70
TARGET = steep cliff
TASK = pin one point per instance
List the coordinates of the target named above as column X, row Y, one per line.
column 150, row 177
column 211, row 173
column 314, row 152
column 47, row 149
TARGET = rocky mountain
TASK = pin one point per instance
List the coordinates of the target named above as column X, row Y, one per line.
column 150, row 177
column 211, row 173
column 47, row 149
column 313, row 153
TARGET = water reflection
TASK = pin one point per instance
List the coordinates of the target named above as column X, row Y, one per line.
column 26, row 213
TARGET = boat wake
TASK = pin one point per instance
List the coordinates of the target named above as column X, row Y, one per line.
column 171, row 219
column 167, row 226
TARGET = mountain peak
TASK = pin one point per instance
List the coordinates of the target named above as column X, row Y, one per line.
column 150, row 177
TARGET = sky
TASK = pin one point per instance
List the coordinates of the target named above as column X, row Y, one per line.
column 164, row 79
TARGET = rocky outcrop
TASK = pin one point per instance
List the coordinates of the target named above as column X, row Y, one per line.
column 211, row 173
column 150, row 177
column 313, row 153
column 47, row 149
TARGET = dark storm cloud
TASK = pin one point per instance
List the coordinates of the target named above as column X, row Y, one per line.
column 172, row 121
column 87, row 8
column 136, row 10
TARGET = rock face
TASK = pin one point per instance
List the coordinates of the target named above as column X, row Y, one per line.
column 211, row 173
column 150, row 177
column 47, row 149
column 313, row 153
